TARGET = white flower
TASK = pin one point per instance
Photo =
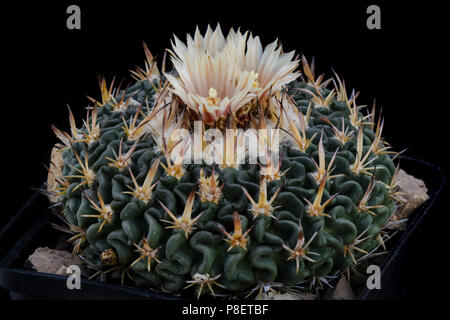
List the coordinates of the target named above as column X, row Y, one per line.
column 217, row 75
column 272, row 68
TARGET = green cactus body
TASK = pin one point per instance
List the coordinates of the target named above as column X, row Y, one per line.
column 318, row 224
column 205, row 251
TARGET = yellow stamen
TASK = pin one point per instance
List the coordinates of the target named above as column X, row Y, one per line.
column 212, row 99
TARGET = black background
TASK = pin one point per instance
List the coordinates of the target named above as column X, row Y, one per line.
column 46, row 66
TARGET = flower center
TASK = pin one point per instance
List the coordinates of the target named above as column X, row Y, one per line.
column 255, row 77
column 212, row 99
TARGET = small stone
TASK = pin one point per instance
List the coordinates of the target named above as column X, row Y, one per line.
column 51, row 261
column 287, row 296
column 342, row 291
column 62, row 271
column 414, row 193
column 56, row 164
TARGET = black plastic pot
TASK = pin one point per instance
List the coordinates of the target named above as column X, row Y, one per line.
column 29, row 228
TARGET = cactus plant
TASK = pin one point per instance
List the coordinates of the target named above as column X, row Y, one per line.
column 228, row 227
